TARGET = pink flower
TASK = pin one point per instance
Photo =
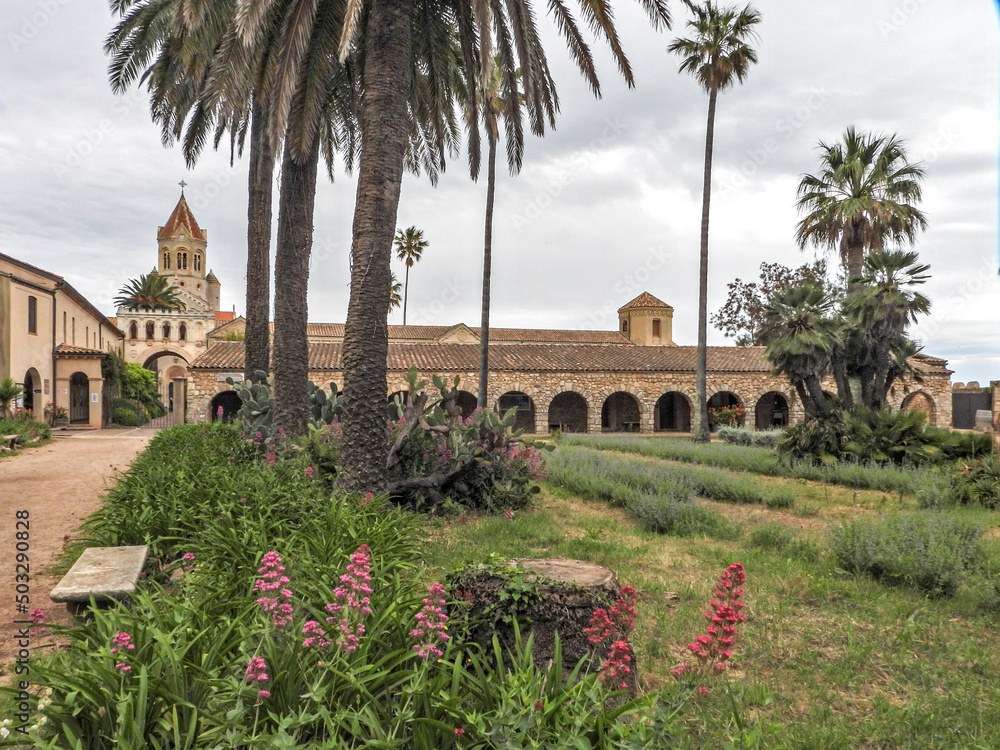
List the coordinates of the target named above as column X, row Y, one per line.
column 509, row 514
column 309, row 471
column 123, row 642
column 459, row 731
column 273, row 579
column 257, row 672
column 431, row 624
column 352, row 600
column 616, row 668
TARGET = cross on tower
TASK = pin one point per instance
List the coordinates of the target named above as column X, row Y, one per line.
column 183, row 185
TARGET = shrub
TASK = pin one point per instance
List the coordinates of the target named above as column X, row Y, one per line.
column 977, row 484
column 929, row 552
column 730, row 416
column 126, row 417
column 22, row 423
column 748, row 436
column 770, row 536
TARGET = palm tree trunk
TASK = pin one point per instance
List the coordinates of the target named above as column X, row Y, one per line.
column 701, row 431
column 855, row 259
column 808, row 406
column 384, row 127
column 818, row 397
column 291, row 285
column 406, row 292
column 484, row 326
column 257, row 340
column 843, row 384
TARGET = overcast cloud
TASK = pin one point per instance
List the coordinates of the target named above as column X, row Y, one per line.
column 606, row 206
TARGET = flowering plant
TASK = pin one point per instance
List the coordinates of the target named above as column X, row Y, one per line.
column 730, row 416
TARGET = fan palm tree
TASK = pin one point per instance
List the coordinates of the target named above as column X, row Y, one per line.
column 802, row 337
column 495, row 106
column 717, row 55
column 151, row 292
column 410, row 246
column 881, row 310
column 10, row 392
column 863, row 196
column 511, row 29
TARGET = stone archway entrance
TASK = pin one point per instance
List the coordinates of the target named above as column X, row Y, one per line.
column 568, row 412
column 229, row 402
column 771, row 411
column 672, row 413
column 723, row 400
column 620, row 413
column 79, row 398
column 466, row 402
column 524, row 418
column 920, row 401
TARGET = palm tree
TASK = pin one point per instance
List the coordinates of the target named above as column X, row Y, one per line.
column 802, row 336
column 387, row 81
column 863, row 196
column 717, row 55
column 10, row 391
column 150, row 293
column 495, row 106
column 395, row 293
column 410, row 246
column 882, row 308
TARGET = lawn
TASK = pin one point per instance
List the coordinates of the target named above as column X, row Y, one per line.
column 827, row 659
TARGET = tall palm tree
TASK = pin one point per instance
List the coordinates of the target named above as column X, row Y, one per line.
column 717, row 55
column 387, row 81
column 495, row 106
column 410, row 246
column 151, row 292
column 863, row 196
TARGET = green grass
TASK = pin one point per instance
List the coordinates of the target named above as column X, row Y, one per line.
column 767, row 462
column 827, row 659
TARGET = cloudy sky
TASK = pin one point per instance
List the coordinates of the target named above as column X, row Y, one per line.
column 607, row 206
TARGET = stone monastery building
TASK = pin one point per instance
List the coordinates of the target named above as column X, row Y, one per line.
column 635, row 379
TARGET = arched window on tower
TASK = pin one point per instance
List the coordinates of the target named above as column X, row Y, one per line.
column 182, row 332
column 133, row 330
column 166, row 330
column 150, row 331
column 182, row 261
column 197, row 261
column 166, row 260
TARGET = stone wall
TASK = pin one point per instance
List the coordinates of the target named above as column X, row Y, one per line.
column 933, row 395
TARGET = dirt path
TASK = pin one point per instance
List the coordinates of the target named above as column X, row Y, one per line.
column 59, row 485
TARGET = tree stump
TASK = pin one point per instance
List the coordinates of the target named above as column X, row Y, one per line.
column 544, row 597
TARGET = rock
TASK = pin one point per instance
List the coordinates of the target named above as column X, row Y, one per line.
column 984, row 420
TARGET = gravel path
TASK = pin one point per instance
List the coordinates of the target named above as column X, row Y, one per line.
column 59, row 485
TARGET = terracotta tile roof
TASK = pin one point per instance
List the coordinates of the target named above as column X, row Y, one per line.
column 68, row 350
column 931, row 365
column 645, row 300
column 224, row 315
column 181, row 219
column 113, row 321
column 433, row 357
column 499, row 335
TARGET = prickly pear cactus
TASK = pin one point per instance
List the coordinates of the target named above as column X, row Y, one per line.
column 255, row 412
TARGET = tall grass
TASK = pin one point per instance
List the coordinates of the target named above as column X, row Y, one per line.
column 894, row 479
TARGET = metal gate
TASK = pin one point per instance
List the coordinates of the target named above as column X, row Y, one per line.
column 79, row 398
column 964, row 407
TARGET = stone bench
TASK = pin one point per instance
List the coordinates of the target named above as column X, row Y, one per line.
column 104, row 574
column 7, row 442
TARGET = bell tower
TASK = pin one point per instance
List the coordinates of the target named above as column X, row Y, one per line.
column 647, row 321
column 182, row 254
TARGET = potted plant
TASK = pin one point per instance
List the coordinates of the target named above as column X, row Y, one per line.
column 56, row 414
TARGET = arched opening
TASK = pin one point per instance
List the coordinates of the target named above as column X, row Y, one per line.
column 166, row 260
column 620, row 413
column 920, row 401
column 224, row 406
column 524, row 418
column 771, row 411
column 79, row 397
column 672, row 413
column 32, row 384
column 397, row 404
column 182, row 261
column 182, row 332
column 197, row 263
column 166, row 330
column 466, row 402
column 723, row 400
column 150, row 331
column 133, row 330
column 568, row 412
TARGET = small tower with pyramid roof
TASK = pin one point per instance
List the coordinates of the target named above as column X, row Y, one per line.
column 647, row 321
